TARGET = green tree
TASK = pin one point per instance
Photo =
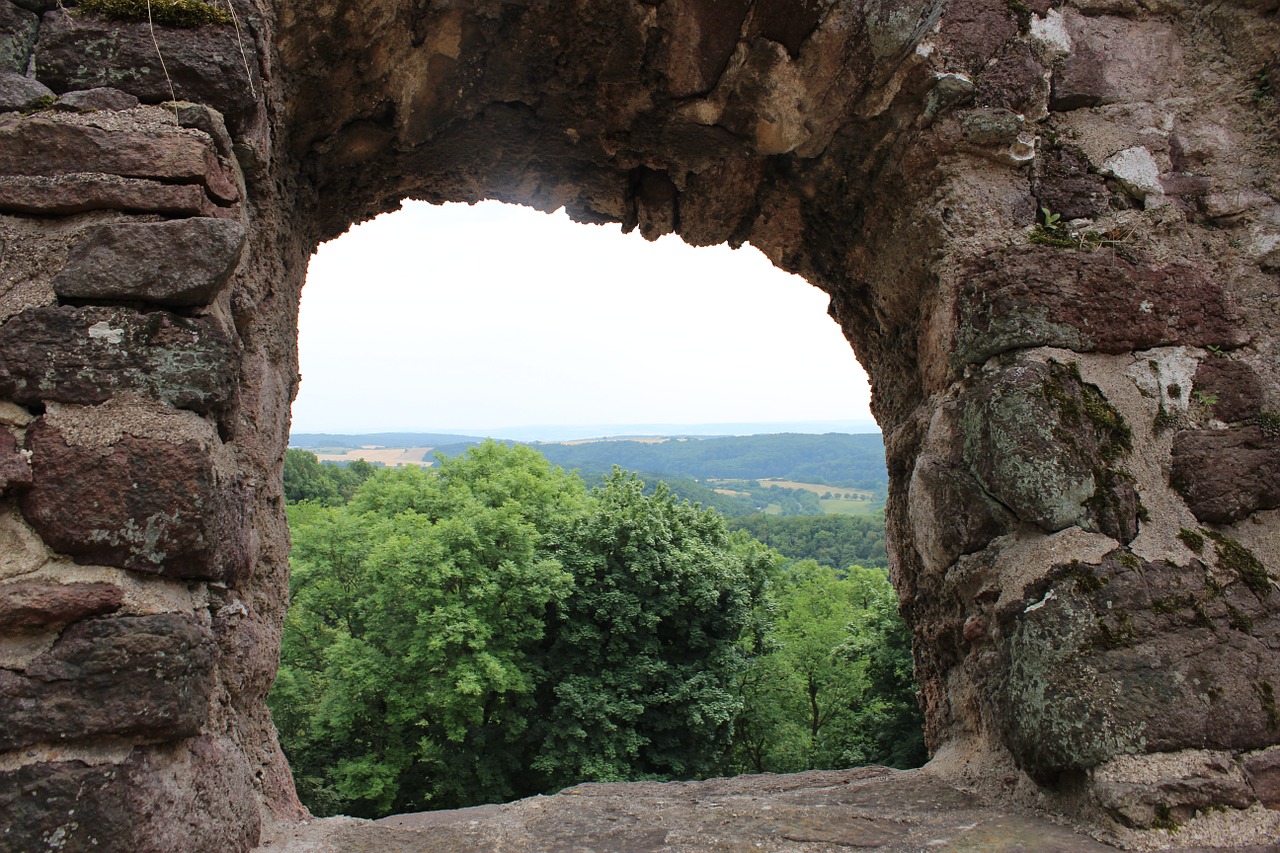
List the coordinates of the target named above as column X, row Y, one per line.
column 408, row 669
column 643, row 654
column 490, row 629
column 830, row 685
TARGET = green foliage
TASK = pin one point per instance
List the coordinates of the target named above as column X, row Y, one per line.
column 830, row 684
column 306, row 478
column 490, row 629
column 187, row 14
column 644, row 652
column 832, row 540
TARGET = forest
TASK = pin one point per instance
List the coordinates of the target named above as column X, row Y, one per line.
column 495, row 627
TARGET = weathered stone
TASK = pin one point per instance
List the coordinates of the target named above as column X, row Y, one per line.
column 1144, row 636
column 1015, row 81
column 51, row 147
column 146, row 505
column 101, row 98
column 952, row 514
column 63, row 195
column 206, row 119
column 973, row 31
column 204, row 65
column 15, row 469
column 183, row 262
column 18, row 29
column 1233, row 386
column 1262, row 769
column 87, row 355
column 36, row 604
column 1064, row 185
column 1160, row 790
column 705, row 34
column 128, row 675
column 1042, row 443
column 865, row 808
column 1226, row 475
column 1027, row 297
column 17, row 92
column 1114, row 61
column 196, row 794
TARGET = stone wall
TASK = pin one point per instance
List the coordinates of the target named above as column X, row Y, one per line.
column 1082, row 415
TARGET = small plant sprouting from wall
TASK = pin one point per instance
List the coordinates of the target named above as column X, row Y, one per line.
column 187, row 14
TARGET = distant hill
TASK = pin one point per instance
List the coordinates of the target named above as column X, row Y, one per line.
column 312, row 440
column 836, row 459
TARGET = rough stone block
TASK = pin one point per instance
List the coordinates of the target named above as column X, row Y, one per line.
column 87, row 355
column 1043, row 443
column 64, row 195
column 36, row 604
column 15, row 469
column 1233, row 384
column 1088, row 301
column 184, row 262
column 101, row 98
column 704, row 34
column 1065, row 186
column 1262, row 769
column 205, row 65
column 1128, row 656
column 134, row 675
column 53, row 146
column 17, row 91
column 1015, row 81
column 1226, row 475
column 196, row 795
column 18, row 29
column 148, row 505
column 1143, row 791
column 1114, row 61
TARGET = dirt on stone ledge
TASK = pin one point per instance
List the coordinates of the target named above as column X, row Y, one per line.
column 865, row 808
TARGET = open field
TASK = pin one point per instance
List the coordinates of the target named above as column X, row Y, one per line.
column 389, row 456
column 836, row 492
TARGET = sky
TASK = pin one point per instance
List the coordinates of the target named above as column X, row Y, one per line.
column 479, row 319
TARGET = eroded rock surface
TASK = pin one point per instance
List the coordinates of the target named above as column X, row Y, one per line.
column 1050, row 232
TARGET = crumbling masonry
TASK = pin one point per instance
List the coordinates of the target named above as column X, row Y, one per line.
column 1050, row 231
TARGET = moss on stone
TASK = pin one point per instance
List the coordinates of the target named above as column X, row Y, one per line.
column 1191, row 539
column 39, row 105
column 1118, row 635
column 1237, row 620
column 1267, row 695
column 1269, row 423
column 187, row 14
column 1164, row 819
column 1240, row 561
column 1085, row 578
column 1164, row 420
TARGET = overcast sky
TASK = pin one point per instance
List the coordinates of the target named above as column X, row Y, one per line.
column 456, row 318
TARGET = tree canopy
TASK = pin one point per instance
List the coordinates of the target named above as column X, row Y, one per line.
column 492, row 628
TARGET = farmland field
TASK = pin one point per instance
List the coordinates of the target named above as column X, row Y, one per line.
column 389, row 456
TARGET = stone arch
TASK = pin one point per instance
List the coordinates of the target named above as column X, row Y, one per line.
column 1081, row 417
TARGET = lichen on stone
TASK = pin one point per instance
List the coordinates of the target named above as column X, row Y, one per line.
column 186, row 14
